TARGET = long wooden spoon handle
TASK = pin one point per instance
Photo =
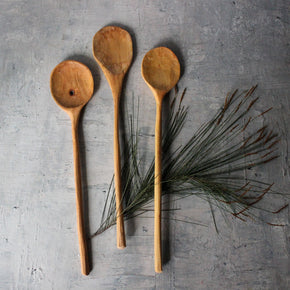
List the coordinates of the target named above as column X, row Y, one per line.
column 157, row 189
column 79, row 199
column 121, row 240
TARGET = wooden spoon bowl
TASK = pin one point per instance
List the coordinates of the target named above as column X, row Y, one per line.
column 160, row 70
column 113, row 49
column 71, row 84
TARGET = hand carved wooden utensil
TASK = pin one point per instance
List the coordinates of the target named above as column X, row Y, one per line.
column 161, row 72
column 113, row 51
column 72, row 86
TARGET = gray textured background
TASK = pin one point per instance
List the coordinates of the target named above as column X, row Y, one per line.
column 222, row 45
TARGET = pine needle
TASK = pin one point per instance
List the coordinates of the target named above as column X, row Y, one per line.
column 209, row 165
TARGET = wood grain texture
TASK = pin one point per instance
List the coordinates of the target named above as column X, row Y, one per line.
column 161, row 71
column 221, row 45
column 72, row 86
column 113, row 50
column 158, row 189
column 85, row 267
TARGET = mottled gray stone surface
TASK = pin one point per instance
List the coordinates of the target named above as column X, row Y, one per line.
column 222, row 45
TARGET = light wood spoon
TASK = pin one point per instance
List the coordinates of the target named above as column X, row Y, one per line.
column 72, row 86
column 161, row 72
column 113, row 51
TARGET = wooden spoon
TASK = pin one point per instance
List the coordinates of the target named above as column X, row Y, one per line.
column 161, row 72
column 113, row 51
column 72, row 86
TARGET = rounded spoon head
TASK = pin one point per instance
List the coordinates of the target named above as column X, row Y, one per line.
column 113, row 49
column 161, row 69
column 71, row 84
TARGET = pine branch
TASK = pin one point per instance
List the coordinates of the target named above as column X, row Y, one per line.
column 209, row 165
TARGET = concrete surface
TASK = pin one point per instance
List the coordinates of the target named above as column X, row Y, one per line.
column 222, row 45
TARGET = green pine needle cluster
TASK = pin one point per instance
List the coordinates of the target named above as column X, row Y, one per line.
column 210, row 165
